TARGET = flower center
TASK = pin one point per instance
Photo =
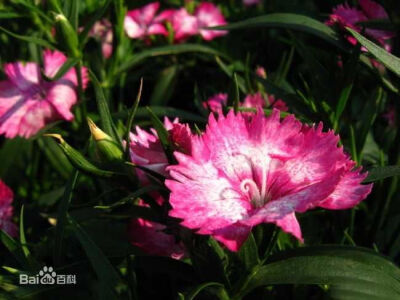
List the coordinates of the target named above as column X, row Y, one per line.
column 38, row 93
column 258, row 197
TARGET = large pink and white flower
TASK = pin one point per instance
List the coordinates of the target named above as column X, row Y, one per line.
column 209, row 15
column 28, row 102
column 345, row 16
column 150, row 237
column 246, row 171
column 6, row 210
column 102, row 31
column 142, row 22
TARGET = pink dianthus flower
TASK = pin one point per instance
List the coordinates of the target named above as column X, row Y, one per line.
column 142, row 22
column 102, row 30
column 216, row 102
column 209, row 15
column 345, row 16
column 146, row 151
column 6, row 210
column 245, row 171
column 28, row 102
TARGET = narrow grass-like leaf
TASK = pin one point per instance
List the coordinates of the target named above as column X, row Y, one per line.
column 22, row 237
column 107, row 123
column 78, row 160
column 248, row 253
column 163, row 88
column 166, row 50
column 4, row 14
column 105, row 271
column 131, row 117
column 29, row 39
column 56, row 156
column 380, row 173
column 288, row 21
column 161, row 111
column 389, row 60
column 236, row 98
column 162, row 134
column 15, row 249
column 191, row 295
column 240, row 80
column 344, row 97
column 349, row 268
column 62, row 218
column 133, row 196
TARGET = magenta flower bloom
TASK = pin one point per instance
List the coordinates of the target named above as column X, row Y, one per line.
column 246, row 171
column 251, row 2
column 183, row 24
column 142, row 22
column 102, row 31
column 257, row 100
column 216, row 102
column 260, row 71
column 28, row 102
column 6, row 210
column 346, row 16
column 146, row 149
column 150, row 238
column 209, row 15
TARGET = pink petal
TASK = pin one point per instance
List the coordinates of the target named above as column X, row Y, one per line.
column 157, row 29
column 373, row 10
column 150, row 238
column 289, row 224
column 216, row 102
column 132, row 28
column 62, row 95
column 349, row 192
column 6, row 210
column 209, row 15
column 184, row 24
column 23, row 75
column 148, row 12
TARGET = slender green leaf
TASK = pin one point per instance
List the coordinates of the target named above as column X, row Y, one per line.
column 62, row 218
column 236, row 98
column 248, row 253
column 380, row 173
column 389, row 60
column 22, row 237
column 362, row 272
column 166, row 50
column 131, row 117
column 162, row 134
column 164, row 86
column 191, row 295
column 107, row 123
column 15, row 249
column 105, row 271
column 288, row 21
column 29, row 39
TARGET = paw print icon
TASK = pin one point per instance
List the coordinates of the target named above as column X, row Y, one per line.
column 47, row 275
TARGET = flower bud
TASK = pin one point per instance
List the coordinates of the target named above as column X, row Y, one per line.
column 67, row 36
column 108, row 149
